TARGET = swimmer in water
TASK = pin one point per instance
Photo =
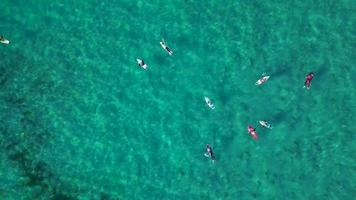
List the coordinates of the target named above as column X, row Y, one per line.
column 308, row 80
column 209, row 152
column 165, row 47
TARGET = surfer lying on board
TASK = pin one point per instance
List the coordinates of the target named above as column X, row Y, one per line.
column 141, row 63
column 252, row 132
column 209, row 152
column 209, row 103
column 262, row 80
column 265, row 124
column 308, row 80
column 4, row 40
column 165, row 47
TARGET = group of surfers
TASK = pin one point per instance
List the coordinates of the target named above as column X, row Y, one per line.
column 250, row 129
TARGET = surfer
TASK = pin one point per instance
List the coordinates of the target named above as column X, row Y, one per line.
column 308, row 80
column 262, row 80
column 4, row 40
column 165, row 47
column 265, row 124
column 252, row 132
column 141, row 63
column 209, row 103
column 209, row 152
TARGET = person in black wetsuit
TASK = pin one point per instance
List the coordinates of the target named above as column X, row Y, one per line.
column 209, row 152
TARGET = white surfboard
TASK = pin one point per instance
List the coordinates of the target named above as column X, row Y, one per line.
column 139, row 62
column 262, row 80
column 209, row 103
column 5, row 41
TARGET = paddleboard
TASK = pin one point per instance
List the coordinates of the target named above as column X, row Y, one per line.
column 139, row 62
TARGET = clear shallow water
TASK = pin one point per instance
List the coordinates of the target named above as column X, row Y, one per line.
column 80, row 120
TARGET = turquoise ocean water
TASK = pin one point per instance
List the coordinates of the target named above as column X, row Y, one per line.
column 80, row 120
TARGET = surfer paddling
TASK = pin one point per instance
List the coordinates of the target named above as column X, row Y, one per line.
column 265, row 124
column 165, row 47
column 252, row 132
column 141, row 63
column 209, row 103
column 209, row 152
column 262, row 80
column 308, row 80
column 3, row 40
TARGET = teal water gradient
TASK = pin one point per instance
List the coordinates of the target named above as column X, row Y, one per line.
column 80, row 120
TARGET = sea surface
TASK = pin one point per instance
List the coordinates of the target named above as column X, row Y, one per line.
column 80, row 120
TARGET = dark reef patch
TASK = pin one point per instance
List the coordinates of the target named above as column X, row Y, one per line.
column 22, row 132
